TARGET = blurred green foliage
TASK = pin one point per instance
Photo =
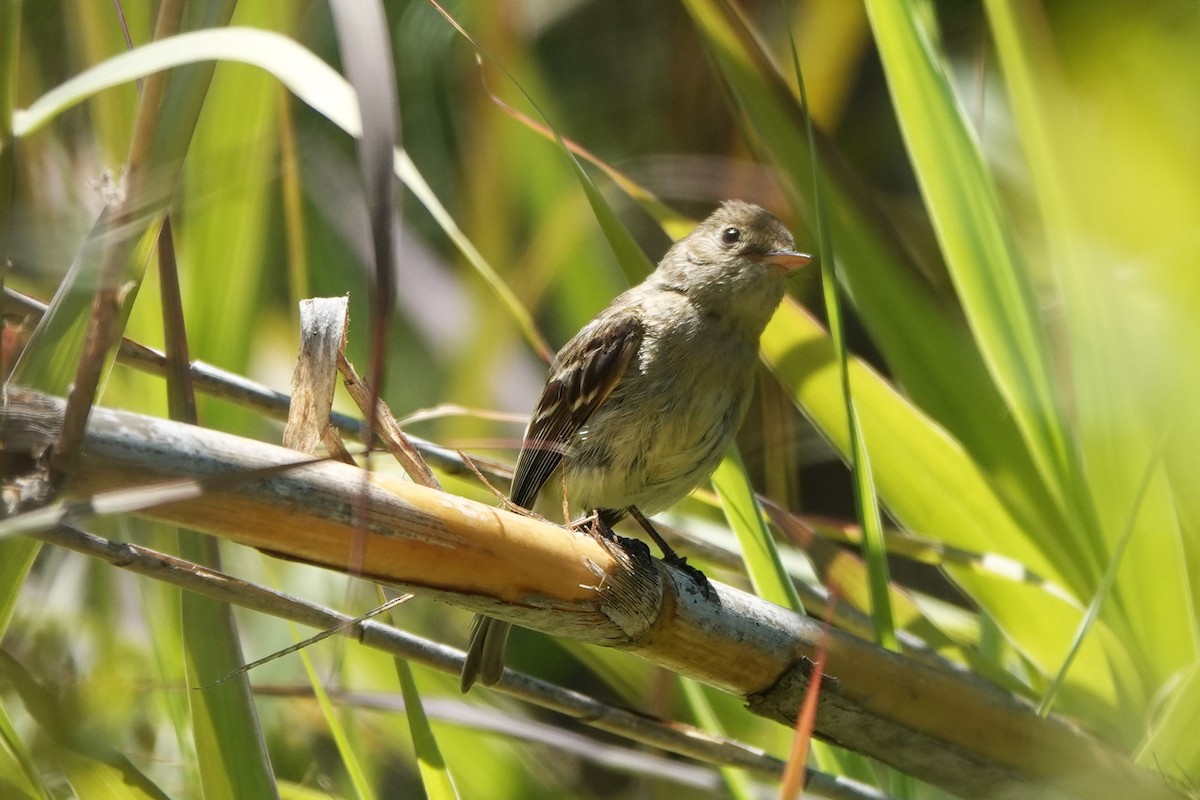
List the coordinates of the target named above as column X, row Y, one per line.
column 1012, row 197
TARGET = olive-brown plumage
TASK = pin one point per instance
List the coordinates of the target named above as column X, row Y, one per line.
column 641, row 404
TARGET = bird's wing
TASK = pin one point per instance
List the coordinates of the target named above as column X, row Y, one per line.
column 582, row 377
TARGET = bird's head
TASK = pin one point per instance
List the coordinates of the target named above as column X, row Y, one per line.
column 734, row 263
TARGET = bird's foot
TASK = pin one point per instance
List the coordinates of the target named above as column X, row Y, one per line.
column 698, row 577
column 673, row 558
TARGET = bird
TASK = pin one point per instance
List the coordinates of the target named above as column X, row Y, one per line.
column 640, row 406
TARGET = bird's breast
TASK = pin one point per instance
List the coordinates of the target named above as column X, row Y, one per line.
column 668, row 422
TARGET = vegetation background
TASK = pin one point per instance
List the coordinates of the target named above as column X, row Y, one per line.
column 1011, row 200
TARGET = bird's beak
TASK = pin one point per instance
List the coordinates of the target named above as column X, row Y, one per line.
column 788, row 259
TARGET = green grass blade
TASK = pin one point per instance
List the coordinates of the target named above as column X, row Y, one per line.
column 309, row 78
column 929, row 483
column 1103, row 590
column 882, row 283
column 1171, row 734
column 736, row 780
column 1124, row 303
column 16, row 556
column 10, row 50
column 161, row 603
column 992, row 283
column 18, row 773
column 407, row 171
column 874, row 550
column 50, row 359
column 93, row 778
column 923, row 337
column 629, row 255
column 435, row 777
column 350, row 760
column 16, row 559
column 232, row 755
column 768, row 576
column 92, row 768
column 865, row 500
column 306, row 75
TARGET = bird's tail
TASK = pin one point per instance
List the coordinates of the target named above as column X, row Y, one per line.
column 485, row 653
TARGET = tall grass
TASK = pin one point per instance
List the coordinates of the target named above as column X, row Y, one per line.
column 1011, row 203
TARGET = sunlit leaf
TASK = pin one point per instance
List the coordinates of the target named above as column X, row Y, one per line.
column 767, row 574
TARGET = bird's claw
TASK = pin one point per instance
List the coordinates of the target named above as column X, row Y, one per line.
column 635, row 547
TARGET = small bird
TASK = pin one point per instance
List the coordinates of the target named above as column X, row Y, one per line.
column 640, row 406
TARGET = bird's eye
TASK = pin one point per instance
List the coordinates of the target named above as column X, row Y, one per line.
column 731, row 236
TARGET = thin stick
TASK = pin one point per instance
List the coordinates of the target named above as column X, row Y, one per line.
column 670, row 736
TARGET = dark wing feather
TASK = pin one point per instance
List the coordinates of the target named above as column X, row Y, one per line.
column 582, row 377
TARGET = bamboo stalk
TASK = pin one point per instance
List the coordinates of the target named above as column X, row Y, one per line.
column 939, row 724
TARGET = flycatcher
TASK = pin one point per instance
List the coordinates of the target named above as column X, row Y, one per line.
column 640, row 406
